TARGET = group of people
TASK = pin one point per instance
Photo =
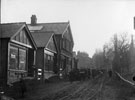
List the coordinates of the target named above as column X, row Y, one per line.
column 76, row 75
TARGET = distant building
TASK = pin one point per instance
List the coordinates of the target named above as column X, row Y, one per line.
column 64, row 40
column 17, row 52
column 84, row 61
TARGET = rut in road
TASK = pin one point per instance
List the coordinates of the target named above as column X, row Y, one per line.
column 87, row 91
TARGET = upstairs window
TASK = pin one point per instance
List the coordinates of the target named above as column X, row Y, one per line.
column 67, row 45
column 63, row 43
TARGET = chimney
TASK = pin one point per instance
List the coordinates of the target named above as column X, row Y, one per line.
column 33, row 20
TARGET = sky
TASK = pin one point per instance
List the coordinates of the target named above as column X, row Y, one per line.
column 93, row 22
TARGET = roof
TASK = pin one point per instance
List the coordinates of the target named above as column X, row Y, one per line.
column 57, row 28
column 9, row 29
column 42, row 38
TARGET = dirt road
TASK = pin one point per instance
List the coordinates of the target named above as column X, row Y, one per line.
column 100, row 88
column 88, row 90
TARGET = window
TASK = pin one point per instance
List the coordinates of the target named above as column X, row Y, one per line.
column 49, row 62
column 63, row 44
column 46, row 63
column 13, row 61
column 22, row 59
column 17, row 60
column 67, row 45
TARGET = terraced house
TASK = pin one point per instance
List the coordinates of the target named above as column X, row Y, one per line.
column 64, row 42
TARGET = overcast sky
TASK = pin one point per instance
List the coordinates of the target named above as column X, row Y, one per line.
column 92, row 22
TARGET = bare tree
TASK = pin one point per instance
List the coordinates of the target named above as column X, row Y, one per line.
column 115, row 54
column 98, row 59
column 121, row 53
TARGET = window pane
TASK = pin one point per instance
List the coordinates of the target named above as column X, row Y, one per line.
column 22, row 59
column 46, row 63
column 51, row 64
column 64, row 43
column 13, row 60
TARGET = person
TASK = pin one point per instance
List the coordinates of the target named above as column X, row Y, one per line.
column 22, row 86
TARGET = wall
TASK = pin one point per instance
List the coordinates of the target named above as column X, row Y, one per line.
column 40, row 60
column 31, row 62
column 4, row 61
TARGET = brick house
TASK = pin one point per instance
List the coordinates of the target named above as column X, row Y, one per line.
column 64, row 40
column 46, row 54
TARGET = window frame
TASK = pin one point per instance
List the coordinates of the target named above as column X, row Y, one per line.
column 49, row 61
column 11, row 45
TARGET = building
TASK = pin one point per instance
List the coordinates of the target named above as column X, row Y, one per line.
column 84, row 61
column 64, row 40
column 17, row 52
column 46, row 54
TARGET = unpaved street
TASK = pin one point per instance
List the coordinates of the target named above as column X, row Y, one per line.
column 100, row 88
column 86, row 90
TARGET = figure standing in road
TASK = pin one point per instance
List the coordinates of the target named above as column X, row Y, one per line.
column 22, row 86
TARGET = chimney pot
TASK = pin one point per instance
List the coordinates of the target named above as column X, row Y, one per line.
column 33, row 20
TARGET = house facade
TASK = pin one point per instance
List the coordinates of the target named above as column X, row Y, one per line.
column 64, row 41
column 17, row 52
column 46, row 54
